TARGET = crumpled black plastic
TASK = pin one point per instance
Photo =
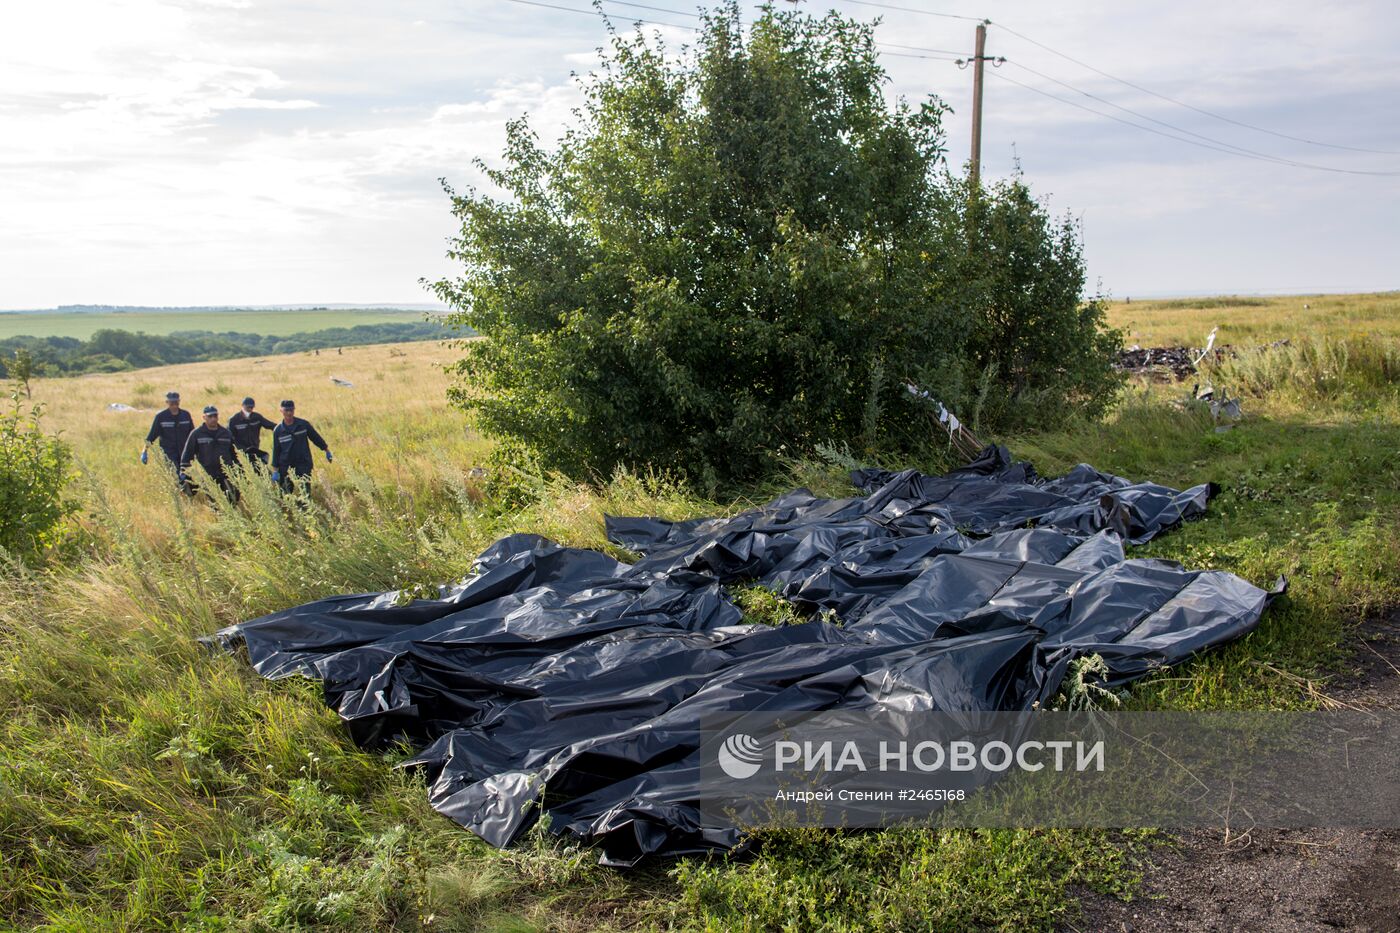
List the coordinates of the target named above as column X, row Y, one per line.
column 994, row 493
column 561, row 680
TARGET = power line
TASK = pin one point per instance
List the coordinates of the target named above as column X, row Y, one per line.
column 656, row 9
column 1182, row 103
column 1235, row 151
column 595, row 13
column 1170, row 126
column 907, row 9
column 1138, row 87
column 882, row 45
column 936, row 58
column 1110, row 116
column 1201, row 140
column 919, row 48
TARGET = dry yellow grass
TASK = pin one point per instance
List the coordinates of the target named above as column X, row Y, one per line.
column 394, row 428
column 150, row 784
column 395, row 431
column 1245, row 321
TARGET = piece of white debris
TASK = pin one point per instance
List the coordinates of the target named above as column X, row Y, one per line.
column 121, row 406
column 1210, row 342
column 343, row 383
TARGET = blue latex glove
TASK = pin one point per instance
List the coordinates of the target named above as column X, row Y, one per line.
column 143, row 457
column 329, row 458
column 277, row 476
column 184, row 478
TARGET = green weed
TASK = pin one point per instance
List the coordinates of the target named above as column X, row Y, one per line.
column 146, row 783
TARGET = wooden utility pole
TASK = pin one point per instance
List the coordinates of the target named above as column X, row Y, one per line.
column 977, row 59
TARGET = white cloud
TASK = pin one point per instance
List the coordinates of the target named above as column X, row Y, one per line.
column 213, row 151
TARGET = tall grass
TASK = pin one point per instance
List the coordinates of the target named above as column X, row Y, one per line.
column 396, row 433
column 1246, row 322
column 1310, row 490
column 1314, row 369
column 146, row 783
column 150, row 784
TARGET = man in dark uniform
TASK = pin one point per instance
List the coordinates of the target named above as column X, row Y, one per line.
column 247, row 427
column 172, row 427
column 291, row 447
column 212, row 445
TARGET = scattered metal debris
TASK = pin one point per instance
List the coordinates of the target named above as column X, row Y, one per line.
column 1225, row 411
column 1178, row 363
column 1210, row 342
column 959, row 435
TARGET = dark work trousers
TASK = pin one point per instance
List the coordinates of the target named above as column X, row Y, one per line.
column 294, row 479
column 225, row 486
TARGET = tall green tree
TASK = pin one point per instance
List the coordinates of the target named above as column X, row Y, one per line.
column 736, row 252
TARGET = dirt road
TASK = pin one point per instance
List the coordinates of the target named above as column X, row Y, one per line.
column 1282, row 881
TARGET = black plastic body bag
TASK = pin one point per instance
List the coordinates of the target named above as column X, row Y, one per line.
column 563, row 676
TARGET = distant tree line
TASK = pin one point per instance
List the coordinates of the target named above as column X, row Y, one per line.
column 108, row 351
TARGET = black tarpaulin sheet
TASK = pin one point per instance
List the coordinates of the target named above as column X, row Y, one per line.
column 563, row 677
column 994, row 493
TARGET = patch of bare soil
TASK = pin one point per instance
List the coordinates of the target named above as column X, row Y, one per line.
column 1375, row 681
column 1278, row 880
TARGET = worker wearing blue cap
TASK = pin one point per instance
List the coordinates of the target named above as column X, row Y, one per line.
column 171, row 427
column 291, row 447
column 212, row 445
column 247, row 427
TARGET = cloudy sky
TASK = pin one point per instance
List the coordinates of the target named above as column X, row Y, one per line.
column 190, row 152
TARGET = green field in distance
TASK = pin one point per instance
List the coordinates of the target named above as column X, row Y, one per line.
column 84, row 324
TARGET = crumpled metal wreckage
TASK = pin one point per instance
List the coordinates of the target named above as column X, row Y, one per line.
column 561, row 680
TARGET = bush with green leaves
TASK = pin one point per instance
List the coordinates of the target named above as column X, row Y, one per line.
column 35, row 469
column 1046, row 352
column 745, row 250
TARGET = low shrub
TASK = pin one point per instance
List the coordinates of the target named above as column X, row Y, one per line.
column 35, row 469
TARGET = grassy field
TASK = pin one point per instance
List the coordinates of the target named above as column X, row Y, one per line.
column 1247, row 321
column 271, row 323
column 391, row 431
column 146, row 784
